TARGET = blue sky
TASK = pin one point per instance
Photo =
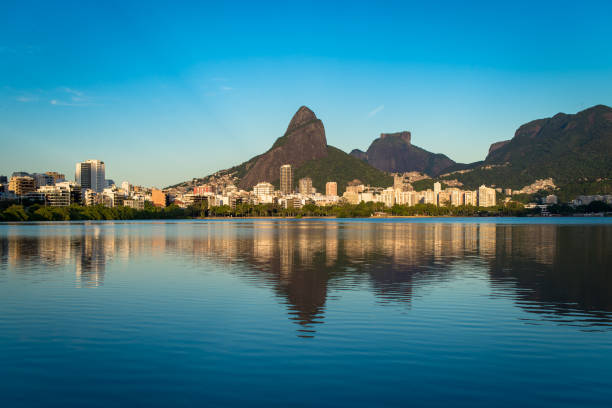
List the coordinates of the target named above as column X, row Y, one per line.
column 164, row 92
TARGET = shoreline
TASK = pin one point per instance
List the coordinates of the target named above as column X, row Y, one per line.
column 390, row 217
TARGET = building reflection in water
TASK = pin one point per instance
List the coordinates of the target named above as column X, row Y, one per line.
column 553, row 270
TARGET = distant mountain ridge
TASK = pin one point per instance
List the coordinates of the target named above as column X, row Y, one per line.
column 394, row 152
column 573, row 149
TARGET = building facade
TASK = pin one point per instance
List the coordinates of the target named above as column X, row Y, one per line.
column 286, row 179
column 331, row 188
column 486, row 196
column 21, row 185
column 91, row 174
column 263, row 189
column 159, row 198
column 305, row 186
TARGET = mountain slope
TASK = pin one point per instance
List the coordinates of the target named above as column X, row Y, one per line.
column 342, row 168
column 394, row 152
column 571, row 149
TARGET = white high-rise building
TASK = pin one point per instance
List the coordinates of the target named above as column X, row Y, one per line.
column 263, row 189
column 91, row 174
column 486, row 196
column 437, row 188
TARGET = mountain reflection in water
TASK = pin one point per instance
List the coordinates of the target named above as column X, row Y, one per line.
column 559, row 272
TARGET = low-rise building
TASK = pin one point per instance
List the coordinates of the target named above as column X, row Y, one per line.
column 263, row 189
column 21, row 185
column 137, row 204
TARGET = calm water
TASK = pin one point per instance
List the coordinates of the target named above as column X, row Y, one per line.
column 451, row 312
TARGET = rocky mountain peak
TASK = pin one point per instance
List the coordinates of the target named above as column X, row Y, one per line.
column 303, row 141
column 303, row 116
column 405, row 136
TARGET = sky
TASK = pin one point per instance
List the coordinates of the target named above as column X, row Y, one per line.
column 165, row 92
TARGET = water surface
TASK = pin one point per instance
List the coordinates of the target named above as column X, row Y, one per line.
column 360, row 313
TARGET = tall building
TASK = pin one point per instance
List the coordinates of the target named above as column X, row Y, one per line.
column 437, row 188
column 486, row 196
column 21, row 185
column 331, row 188
column 91, row 174
column 286, row 179
column 305, row 186
column 3, row 179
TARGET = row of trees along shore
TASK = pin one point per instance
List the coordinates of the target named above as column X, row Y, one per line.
column 38, row 212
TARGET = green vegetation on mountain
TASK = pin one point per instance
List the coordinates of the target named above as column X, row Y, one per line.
column 340, row 167
column 574, row 150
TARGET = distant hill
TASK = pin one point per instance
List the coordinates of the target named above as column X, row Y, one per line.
column 575, row 150
column 394, row 152
column 304, row 146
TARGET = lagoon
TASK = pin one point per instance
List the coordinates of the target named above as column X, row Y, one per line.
column 316, row 312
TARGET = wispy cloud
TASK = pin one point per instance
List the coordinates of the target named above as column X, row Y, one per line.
column 72, row 91
column 26, row 99
column 72, row 97
column 376, row 111
column 226, row 88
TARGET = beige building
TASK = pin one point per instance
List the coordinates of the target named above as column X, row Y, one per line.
column 331, row 188
column 286, row 179
column 305, row 186
column 22, row 185
column 136, row 204
column 470, row 198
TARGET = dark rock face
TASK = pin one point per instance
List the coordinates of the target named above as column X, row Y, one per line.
column 393, row 152
column 359, row 154
column 405, row 136
column 497, row 145
column 303, row 141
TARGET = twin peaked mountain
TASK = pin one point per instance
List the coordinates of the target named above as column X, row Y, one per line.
column 570, row 149
column 304, row 146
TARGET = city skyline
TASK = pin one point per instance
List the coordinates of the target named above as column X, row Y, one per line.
column 184, row 88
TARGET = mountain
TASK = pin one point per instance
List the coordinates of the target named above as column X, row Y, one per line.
column 573, row 149
column 303, row 141
column 394, row 152
column 304, row 146
column 497, row 145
